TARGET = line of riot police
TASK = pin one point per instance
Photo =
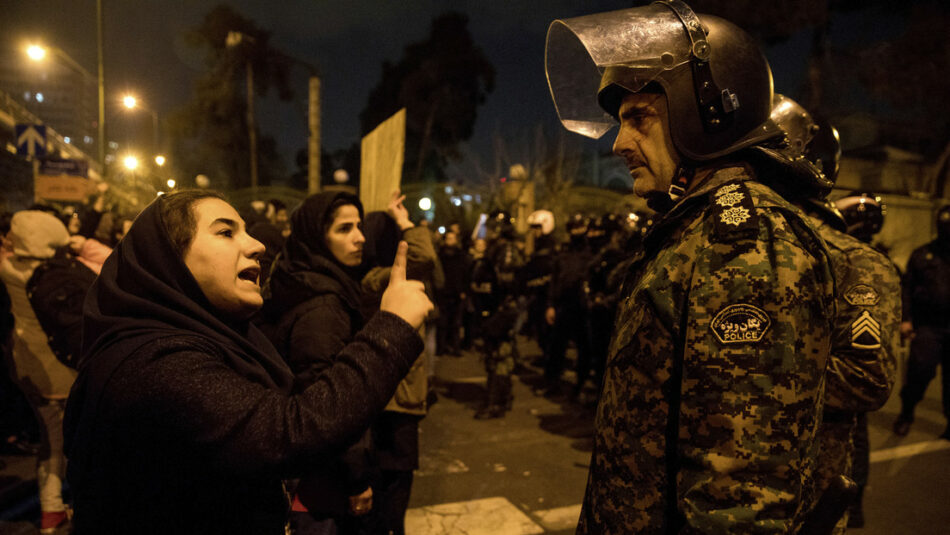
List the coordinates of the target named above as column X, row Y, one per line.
column 558, row 294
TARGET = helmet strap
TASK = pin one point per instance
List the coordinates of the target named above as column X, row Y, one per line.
column 680, row 183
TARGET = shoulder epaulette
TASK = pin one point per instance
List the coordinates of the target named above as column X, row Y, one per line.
column 733, row 212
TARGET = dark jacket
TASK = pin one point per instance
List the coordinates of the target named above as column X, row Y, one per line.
column 926, row 286
column 180, row 422
column 455, row 264
column 314, row 303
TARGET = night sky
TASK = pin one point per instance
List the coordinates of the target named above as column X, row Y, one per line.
column 145, row 53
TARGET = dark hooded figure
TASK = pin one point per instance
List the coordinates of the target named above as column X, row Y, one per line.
column 313, row 301
column 184, row 419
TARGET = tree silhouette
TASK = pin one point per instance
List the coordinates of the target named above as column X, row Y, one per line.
column 441, row 82
column 209, row 133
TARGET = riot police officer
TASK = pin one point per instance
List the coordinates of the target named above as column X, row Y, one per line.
column 566, row 312
column 607, row 239
column 863, row 363
column 500, row 323
column 726, row 312
column 535, row 277
column 926, row 293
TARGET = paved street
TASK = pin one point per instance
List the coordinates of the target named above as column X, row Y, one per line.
column 526, row 473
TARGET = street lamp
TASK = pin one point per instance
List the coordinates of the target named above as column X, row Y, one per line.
column 159, row 160
column 38, row 52
column 132, row 103
column 130, row 162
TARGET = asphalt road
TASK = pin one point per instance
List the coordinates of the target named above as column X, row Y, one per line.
column 526, row 473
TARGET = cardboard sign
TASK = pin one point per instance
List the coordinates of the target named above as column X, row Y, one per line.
column 62, row 188
column 381, row 158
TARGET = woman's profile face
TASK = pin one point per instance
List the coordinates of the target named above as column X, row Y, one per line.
column 344, row 237
column 223, row 258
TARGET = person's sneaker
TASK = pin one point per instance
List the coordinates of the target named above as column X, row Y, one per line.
column 902, row 426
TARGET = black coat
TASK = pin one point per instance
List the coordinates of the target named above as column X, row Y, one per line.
column 182, row 423
column 314, row 303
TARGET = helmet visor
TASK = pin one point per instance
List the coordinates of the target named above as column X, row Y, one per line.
column 636, row 45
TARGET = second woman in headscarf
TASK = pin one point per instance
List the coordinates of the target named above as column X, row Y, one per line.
column 312, row 308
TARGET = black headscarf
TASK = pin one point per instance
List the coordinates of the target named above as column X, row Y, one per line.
column 306, row 267
column 145, row 293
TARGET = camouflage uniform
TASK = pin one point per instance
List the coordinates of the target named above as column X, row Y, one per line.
column 864, row 346
column 737, row 284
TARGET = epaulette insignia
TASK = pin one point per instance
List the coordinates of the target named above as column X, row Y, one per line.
column 862, row 295
column 733, row 212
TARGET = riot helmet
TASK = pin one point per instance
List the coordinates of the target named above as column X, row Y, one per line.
column 601, row 229
column 542, row 220
column 577, row 223
column 717, row 82
column 825, row 149
column 801, row 153
column 863, row 213
column 500, row 224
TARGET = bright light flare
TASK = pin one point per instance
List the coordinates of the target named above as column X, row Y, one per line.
column 425, row 203
column 159, row 160
column 171, row 183
column 130, row 162
column 36, row 52
column 129, row 101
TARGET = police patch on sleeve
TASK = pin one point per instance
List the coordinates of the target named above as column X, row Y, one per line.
column 862, row 295
column 740, row 323
column 865, row 332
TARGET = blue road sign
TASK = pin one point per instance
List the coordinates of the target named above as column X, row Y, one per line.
column 31, row 139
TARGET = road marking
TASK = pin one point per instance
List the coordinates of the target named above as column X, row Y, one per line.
column 487, row 516
column 559, row 519
column 909, row 450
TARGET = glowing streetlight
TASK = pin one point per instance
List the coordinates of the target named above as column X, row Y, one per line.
column 425, row 203
column 159, row 160
column 171, row 183
column 36, row 52
column 130, row 162
column 131, row 102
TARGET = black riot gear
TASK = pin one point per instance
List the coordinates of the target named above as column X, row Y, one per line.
column 717, row 82
column 863, row 213
column 807, row 154
column 500, row 224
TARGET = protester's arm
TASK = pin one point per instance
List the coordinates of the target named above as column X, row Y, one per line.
column 244, row 428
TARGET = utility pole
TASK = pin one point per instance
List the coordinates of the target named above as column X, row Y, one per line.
column 234, row 39
column 102, row 93
column 313, row 143
column 251, row 127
